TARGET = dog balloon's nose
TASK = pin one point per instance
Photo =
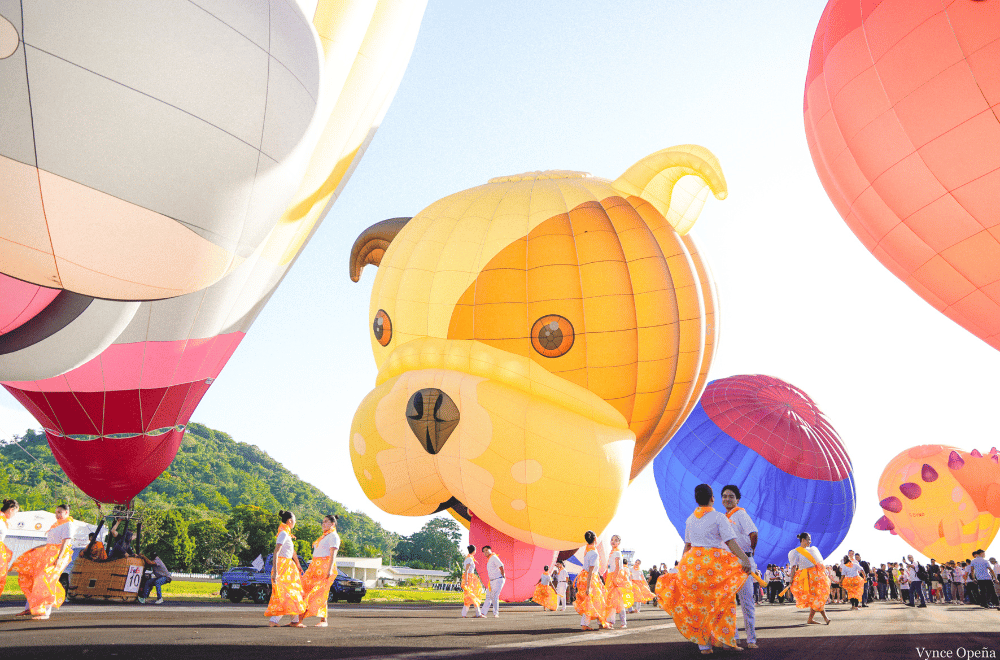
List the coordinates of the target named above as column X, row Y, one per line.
column 432, row 416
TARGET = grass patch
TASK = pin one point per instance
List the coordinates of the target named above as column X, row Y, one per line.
column 411, row 595
column 178, row 589
column 182, row 590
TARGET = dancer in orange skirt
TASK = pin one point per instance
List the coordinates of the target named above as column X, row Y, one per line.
column 809, row 583
column 286, row 577
column 640, row 589
column 852, row 580
column 701, row 596
column 590, row 598
column 322, row 571
column 38, row 569
column 472, row 588
column 9, row 510
column 544, row 594
column 617, row 585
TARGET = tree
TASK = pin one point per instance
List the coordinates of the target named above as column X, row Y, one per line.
column 212, row 545
column 175, row 545
column 347, row 548
column 260, row 527
column 436, row 544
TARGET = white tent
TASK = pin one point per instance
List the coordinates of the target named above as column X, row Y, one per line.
column 28, row 529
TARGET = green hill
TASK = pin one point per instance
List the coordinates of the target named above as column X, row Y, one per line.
column 216, row 503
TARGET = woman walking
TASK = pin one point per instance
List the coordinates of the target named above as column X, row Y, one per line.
column 809, row 583
column 639, row 587
column 286, row 577
column 590, row 597
column 9, row 510
column 618, row 585
column 701, row 596
column 852, row 580
column 544, row 594
column 472, row 587
column 38, row 569
column 322, row 571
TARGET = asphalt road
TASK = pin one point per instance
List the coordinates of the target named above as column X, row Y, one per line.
column 422, row 632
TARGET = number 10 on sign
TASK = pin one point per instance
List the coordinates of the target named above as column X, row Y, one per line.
column 133, row 579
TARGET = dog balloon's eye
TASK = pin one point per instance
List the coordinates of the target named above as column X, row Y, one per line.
column 552, row 335
column 382, row 327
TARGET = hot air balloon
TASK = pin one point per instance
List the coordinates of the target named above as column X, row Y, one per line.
column 538, row 338
column 941, row 500
column 771, row 440
column 900, row 116
column 148, row 148
column 115, row 422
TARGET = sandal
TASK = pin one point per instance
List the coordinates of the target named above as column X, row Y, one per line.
column 321, row 624
column 295, row 624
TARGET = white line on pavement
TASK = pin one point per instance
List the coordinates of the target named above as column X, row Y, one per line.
column 511, row 646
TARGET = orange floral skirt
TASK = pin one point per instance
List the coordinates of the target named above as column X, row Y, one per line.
column 316, row 586
column 286, row 590
column 472, row 590
column 39, row 579
column 618, row 586
column 701, row 596
column 853, row 585
column 5, row 555
column 546, row 596
column 641, row 591
column 590, row 604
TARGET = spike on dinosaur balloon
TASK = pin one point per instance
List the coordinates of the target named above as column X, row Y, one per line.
column 943, row 501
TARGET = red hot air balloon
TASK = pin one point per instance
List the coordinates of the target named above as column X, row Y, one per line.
column 119, row 379
column 902, row 101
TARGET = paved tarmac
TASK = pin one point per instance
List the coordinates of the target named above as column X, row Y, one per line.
column 175, row 631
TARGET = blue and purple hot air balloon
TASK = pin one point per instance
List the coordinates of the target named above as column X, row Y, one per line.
column 769, row 438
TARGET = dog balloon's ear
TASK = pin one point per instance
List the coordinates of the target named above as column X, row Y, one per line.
column 676, row 182
column 370, row 246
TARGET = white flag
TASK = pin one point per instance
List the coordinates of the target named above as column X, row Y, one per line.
column 258, row 563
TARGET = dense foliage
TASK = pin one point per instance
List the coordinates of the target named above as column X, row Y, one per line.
column 217, row 503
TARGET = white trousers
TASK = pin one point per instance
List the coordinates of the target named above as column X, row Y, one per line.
column 749, row 608
column 493, row 596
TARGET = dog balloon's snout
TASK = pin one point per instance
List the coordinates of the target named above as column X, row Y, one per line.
column 432, row 416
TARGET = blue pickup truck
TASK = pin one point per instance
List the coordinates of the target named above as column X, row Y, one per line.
column 247, row 582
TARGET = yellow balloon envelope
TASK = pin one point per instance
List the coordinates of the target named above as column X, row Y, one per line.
column 943, row 501
column 538, row 339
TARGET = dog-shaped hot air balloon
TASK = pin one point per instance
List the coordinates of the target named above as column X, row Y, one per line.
column 538, row 339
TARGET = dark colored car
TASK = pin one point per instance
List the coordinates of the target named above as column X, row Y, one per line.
column 247, row 582
column 347, row 588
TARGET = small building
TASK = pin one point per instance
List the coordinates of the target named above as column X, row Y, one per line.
column 365, row 569
column 396, row 575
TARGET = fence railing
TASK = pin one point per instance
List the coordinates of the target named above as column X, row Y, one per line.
column 196, row 576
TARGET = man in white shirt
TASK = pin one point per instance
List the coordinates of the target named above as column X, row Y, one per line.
column 494, row 569
column 746, row 538
column 562, row 584
column 705, row 530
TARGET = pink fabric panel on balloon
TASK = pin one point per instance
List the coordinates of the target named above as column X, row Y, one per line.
column 144, row 365
column 522, row 562
column 20, row 302
column 780, row 422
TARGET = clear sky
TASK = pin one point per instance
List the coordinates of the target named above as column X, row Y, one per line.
column 502, row 88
